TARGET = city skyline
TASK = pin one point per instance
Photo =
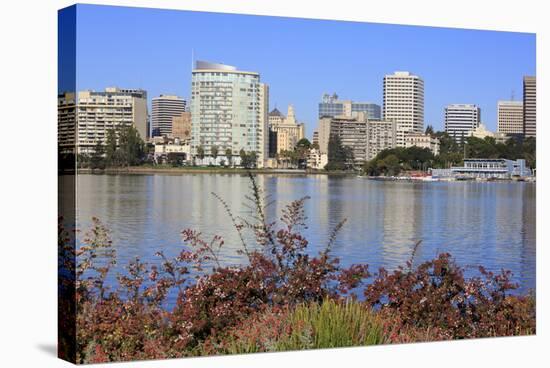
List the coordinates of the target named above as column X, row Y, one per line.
column 457, row 66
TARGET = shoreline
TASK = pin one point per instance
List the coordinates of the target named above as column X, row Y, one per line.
column 138, row 170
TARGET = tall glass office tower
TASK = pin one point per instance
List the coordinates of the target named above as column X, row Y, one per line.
column 331, row 106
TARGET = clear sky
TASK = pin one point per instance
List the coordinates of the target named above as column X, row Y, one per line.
column 301, row 59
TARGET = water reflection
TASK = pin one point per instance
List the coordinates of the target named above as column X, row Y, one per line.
column 492, row 224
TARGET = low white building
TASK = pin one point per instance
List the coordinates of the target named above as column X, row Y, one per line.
column 162, row 150
column 422, row 141
column 316, row 160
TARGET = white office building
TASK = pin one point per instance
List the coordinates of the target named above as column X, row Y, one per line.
column 461, row 119
column 404, row 103
column 229, row 109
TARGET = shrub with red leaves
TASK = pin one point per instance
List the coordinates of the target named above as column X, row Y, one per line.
column 128, row 321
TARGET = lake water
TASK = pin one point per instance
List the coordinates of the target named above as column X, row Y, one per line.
column 490, row 224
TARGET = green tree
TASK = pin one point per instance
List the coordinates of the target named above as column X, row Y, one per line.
column 303, row 143
column 200, row 152
column 248, row 159
column 130, row 146
column 229, row 155
column 97, row 159
column 111, row 147
column 391, row 165
column 430, row 130
column 214, row 152
column 339, row 157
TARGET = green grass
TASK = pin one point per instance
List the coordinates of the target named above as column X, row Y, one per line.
column 332, row 325
column 307, row 326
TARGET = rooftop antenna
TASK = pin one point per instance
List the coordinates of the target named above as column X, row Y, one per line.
column 513, row 95
column 192, row 59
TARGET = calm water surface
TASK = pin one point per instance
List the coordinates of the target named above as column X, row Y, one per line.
column 490, row 224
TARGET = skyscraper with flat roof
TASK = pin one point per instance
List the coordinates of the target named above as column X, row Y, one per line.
column 461, row 119
column 530, row 106
column 229, row 109
column 510, row 117
column 404, row 103
column 164, row 108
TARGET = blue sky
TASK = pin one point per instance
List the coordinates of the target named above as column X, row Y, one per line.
column 301, row 59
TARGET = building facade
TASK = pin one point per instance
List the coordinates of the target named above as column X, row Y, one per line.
column 330, row 105
column 498, row 168
column 84, row 119
column 510, row 117
column 163, row 109
column 530, row 106
column 352, row 131
column 423, row 141
column 461, row 119
column 287, row 129
column 381, row 135
column 229, row 109
column 404, row 103
column 181, row 126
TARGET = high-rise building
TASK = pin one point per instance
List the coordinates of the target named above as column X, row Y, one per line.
column 181, row 126
column 315, row 138
column 288, row 130
column 530, row 106
column 331, row 106
column 381, row 135
column 510, row 117
column 229, row 109
column 404, row 103
column 461, row 119
column 323, row 133
column 84, row 119
column 352, row 131
column 163, row 109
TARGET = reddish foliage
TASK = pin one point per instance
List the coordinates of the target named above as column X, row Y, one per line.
column 432, row 301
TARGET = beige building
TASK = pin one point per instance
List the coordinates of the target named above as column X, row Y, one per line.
column 404, row 103
column 381, row 135
column 181, row 126
column 84, row 121
column 163, row 109
column 66, row 123
column 510, row 117
column 352, row 131
column 423, row 141
column 530, row 106
column 482, row 132
column 288, row 130
column 323, row 133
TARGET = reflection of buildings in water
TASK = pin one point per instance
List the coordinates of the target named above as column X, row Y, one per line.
column 119, row 202
column 471, row 218
column 509, row 217
column 402, row 222
column 528, row 264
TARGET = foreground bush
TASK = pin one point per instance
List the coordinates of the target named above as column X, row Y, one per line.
column 282, row 299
